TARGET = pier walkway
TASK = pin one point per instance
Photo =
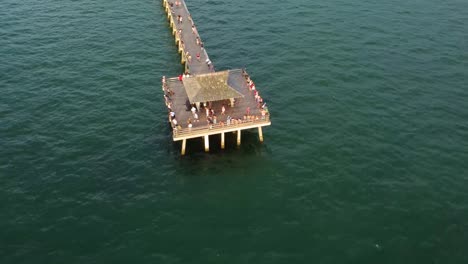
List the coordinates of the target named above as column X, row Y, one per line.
column 186, row 38
column 203, row 102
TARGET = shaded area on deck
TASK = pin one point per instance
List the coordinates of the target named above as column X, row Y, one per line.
column 211, row 87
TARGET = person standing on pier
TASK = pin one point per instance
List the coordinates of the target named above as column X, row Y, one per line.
column 189, row 123
column 208, row 62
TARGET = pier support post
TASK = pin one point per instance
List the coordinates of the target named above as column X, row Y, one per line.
column 238, row 137
column 260, row 134
column 207, row 144
column 222, row 140
column 180, row 48
column 184, row 143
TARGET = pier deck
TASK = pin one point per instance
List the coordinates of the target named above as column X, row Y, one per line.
column 182, row 109
column 206, row 89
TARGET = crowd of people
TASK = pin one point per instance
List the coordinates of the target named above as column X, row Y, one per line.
column 168, row 93
column 258, row 99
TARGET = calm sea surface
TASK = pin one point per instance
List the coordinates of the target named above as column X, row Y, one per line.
column 366, row 160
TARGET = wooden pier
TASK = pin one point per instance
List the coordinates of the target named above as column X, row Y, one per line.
column 203, row 102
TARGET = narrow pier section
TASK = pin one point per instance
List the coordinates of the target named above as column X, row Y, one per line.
column 190, row 45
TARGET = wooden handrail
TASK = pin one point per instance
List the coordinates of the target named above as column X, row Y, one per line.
column 216, row 127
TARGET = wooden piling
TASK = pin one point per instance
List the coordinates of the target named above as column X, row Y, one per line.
column 184, row 143
column 207, row 144
column 222, row 140
column 260, row 134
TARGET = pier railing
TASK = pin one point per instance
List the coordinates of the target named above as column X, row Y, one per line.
column 217, row 128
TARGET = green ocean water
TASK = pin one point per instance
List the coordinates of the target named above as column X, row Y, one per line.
column 366, row 160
